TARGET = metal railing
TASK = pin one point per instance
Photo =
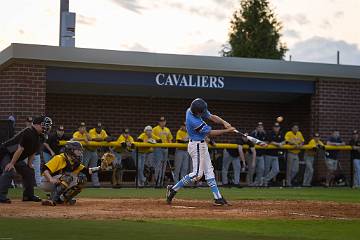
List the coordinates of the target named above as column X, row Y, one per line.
column 141, row 145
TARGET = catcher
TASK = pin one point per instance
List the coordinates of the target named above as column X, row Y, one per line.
column 64, row 175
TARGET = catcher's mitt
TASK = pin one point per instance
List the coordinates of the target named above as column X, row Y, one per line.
column 106, row 160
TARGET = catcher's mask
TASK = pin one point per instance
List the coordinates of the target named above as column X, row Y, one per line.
column 44, row 122
column 74, row 150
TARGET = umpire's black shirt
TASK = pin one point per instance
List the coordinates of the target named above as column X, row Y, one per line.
column 28, row 138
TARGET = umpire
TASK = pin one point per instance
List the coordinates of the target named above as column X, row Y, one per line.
column 13, row 154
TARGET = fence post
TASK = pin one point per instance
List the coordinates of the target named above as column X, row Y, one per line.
column 137, row 167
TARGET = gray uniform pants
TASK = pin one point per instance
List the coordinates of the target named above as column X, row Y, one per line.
column 258, row 169
column 292, row 167
column 161, row 156
column 271, row 167
column 27, row 173
column 227, row 160
column 309, row 170
column 91, row 160
column 182, row 162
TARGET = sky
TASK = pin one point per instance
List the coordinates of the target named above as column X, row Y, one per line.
column 314, row 30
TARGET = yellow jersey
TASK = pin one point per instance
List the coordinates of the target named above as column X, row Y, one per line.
column 313, row 144
column 93, row 134
column 163, row 133
column 59, row 165
column 80, row 136
column 122, row 139
column 295, row 138
column 144, row 138
column 182, row 137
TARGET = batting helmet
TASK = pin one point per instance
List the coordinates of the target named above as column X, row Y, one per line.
column 198, row 106
column 71, row 147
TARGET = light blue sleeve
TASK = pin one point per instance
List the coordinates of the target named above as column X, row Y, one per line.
column 206, row 115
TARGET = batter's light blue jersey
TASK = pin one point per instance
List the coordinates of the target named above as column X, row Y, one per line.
column 196, row 127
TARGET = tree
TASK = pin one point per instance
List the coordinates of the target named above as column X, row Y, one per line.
column 255, row 32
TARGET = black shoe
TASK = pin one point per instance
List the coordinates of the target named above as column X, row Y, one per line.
column 31, row 199
column 6, row 200
column 220, row 202
column 170, row 194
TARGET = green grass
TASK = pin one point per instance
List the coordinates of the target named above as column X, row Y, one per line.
column 318, row 194
column 174, row 229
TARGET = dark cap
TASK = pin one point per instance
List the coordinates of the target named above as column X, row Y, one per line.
column 162, row 119
column 276, row 124
column 37, row 120
column 316, row 135
column 82, row 124
column 60, row 128
column 126, row 130
column 29, row 119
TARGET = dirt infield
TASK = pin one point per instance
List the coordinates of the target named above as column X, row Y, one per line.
column 156, row 208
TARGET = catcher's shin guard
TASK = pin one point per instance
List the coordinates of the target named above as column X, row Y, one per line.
column 71, row 192
column 60, row 188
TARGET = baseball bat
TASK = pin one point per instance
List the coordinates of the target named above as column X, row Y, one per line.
column 251, row 139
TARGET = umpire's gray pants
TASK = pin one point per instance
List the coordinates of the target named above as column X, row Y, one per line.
column 160, row 158
column 292, row 167
column 227, row 160
column 91, row 160
column 271, row 167
column 27, row 174
column 182, row 162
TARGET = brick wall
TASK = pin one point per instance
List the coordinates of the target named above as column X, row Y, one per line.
column 335, row 105
column 22, row 88
column 134, row 112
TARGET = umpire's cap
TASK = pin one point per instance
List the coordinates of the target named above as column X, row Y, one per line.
column 198, row 106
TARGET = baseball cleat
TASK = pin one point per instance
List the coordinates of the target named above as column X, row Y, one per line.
column 31, row 199
column 221, row 202
column 170, row 194
column 48, row 203
column 72, row 201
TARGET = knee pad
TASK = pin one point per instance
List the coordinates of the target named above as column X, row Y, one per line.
column 82, row 179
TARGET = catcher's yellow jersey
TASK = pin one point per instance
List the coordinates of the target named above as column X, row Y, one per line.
column 57, row 164
column 143, row 137
column 122, row 138
column 163, row 133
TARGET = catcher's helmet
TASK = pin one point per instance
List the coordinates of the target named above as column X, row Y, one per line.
column 70, row 148
column 45, row 123
column 198, row 106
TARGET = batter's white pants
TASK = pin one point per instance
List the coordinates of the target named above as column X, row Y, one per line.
column 201, row 160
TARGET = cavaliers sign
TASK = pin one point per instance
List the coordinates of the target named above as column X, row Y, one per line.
column 188, row 80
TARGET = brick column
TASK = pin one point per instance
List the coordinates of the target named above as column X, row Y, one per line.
column 23, row 90
column 335, row 105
